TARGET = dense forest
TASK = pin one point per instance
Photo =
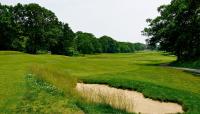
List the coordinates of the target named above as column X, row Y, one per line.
column 34, row 29
column 177, row 29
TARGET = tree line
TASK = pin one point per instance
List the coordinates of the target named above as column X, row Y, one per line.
column 177, row 29
column 34, row 29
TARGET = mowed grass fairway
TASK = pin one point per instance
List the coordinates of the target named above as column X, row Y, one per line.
column 137, row 71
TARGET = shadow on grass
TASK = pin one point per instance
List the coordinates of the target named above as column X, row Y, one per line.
column 189, row 64
column 170, row 65
column 153, row 64
column 193, row 73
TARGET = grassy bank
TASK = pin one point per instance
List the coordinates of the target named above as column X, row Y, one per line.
column 54, row 92
column 136, row 71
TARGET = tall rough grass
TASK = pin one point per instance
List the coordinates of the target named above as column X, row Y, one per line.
column 65, row 82
column 116, row 99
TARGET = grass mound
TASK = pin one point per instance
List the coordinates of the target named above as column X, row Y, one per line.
column 43, row 97
column 64, row 82
column 48, row 91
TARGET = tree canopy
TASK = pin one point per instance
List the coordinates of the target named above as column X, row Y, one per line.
column 34, row 29
column 177, row 29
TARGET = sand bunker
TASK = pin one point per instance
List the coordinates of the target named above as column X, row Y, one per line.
column 130, row 101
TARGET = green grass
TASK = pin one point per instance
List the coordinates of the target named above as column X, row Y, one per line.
column 136, row 71
column 43, row 97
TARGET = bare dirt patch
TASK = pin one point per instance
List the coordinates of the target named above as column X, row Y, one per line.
column 130, row 101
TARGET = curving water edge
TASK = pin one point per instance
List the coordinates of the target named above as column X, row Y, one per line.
column 131, row 101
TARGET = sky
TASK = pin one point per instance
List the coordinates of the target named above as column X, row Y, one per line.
column 123, row 20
